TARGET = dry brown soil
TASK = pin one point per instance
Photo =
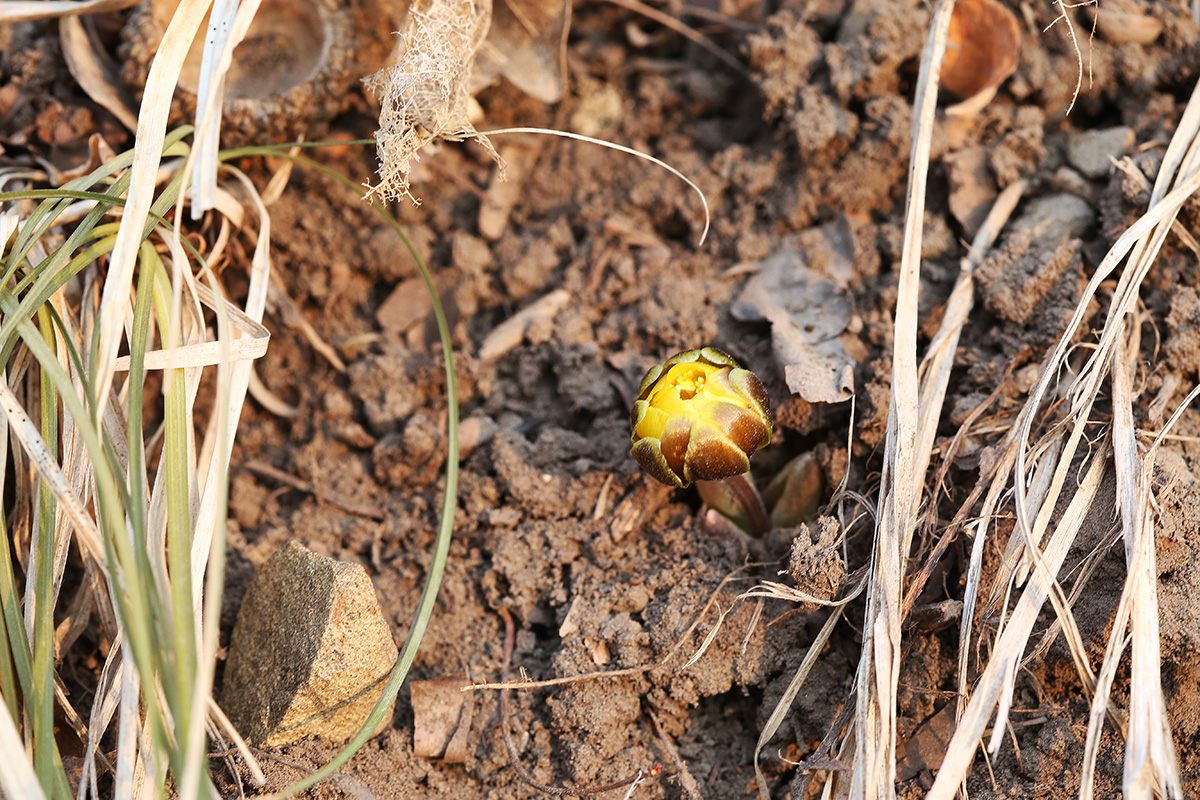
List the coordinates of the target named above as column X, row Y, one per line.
column 554, row 517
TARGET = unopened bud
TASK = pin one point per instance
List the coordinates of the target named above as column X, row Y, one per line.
column 699, row 417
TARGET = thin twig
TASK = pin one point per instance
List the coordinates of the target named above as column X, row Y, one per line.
column 258, row 751
column 617, row 673
column 668, row 21
column 579, row 137
column 686, row 779
column 514, row 757
column 347, row 504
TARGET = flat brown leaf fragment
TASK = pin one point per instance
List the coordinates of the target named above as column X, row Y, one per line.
column 982, row 50
column 927, row 745
column 442, row 718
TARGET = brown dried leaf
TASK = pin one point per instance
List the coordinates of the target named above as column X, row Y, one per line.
column 927, row 745
column 528, row 45
column 442, row 718
column 94, row 70
column 982, row 48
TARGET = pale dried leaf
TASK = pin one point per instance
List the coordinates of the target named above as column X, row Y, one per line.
column 527, row 44
column 442, row 718
column 807, row 312
column 147, row 156
column 16, row 772
column 94, row 71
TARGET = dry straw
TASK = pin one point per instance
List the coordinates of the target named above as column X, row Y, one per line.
column 1040, row 475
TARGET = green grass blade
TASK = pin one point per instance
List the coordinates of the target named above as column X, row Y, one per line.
column 42, row 699
column 179, row 534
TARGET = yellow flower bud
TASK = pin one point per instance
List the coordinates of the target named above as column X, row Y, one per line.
column 699, row 417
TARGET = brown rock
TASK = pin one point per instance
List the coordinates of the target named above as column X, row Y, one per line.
column 310, row 652
column 972, row 188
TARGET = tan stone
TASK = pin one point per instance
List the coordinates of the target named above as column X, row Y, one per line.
column 310, row 653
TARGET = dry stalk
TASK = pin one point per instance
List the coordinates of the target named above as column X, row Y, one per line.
column 874, row 731
column 147, row 155
column 785, row 702
column 1150, row 763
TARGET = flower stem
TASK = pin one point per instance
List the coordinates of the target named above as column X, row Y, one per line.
column 738, row 499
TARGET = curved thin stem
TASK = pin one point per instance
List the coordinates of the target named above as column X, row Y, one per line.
column 620, row 148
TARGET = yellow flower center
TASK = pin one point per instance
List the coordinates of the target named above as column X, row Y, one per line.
column 686, row 390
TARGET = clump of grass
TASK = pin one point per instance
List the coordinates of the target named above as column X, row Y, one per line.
column 99, row 290
column 148, row 522
column 148, row 529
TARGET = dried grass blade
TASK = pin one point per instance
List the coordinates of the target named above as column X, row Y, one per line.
column 1087, row 385
column 23, row 428
column 93, row 72
column 708, row 638
column 28, row 10
column 233, row 379
column 1150, row 758
column 1118, row 640
column 1016, row 560
column 1001, row 668
column 878, row 671
column 128, row 754
column 785, row 702
column 621, row 149
column 1149, row 753
column 226, row 726
column 16, row 773
column 104, row 705
column 147, row 155
column 228, row 24
column 939, row 358
column 971, row 591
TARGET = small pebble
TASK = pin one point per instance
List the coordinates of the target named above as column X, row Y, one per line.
column 1091, row 152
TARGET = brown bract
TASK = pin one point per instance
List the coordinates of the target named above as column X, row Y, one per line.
column 982, row 50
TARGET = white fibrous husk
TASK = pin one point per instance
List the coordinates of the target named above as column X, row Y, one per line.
column 424, row 95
